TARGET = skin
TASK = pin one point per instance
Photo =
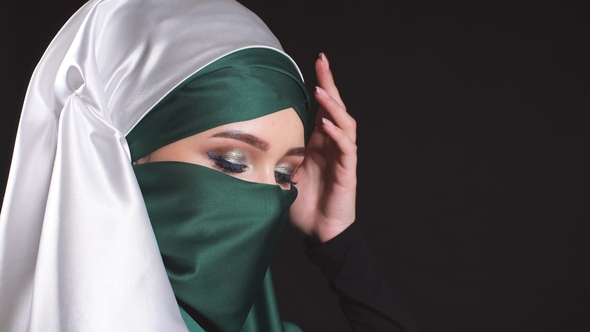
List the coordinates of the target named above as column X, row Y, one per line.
column 270, row 149
column 258, row 150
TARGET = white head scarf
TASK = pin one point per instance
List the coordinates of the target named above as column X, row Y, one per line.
column 77, row 251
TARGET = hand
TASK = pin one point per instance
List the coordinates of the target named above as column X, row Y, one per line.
column 326, row 180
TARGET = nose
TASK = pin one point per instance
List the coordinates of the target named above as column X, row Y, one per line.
column 267, row 175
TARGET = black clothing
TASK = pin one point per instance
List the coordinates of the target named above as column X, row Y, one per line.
column 366, row 298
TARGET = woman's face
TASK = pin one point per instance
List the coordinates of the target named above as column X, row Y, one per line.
column 265, row 150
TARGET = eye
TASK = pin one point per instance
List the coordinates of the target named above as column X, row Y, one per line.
column 283, row 173
column 225, row 165
column 283, row 178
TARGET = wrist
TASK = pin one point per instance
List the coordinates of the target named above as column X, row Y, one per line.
column 325, row 232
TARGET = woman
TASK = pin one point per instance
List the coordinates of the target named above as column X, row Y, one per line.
column 110, row 221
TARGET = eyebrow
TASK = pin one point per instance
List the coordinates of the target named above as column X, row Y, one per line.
column 296, row 152
column 256, row 142
column 244, row 137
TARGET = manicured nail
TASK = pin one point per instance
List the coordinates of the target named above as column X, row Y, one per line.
column 327, row 122
column 322, row 92
column 325, row 60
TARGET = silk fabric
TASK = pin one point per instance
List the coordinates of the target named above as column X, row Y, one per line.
column 77, row 251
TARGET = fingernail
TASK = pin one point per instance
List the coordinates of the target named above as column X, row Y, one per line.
column 327, row 122
column 325, row 60
column 322, row 92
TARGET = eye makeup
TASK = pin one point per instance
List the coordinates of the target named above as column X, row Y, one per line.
column 283, row 178
column 233, row 161
column 237, row 161
column 283, row 173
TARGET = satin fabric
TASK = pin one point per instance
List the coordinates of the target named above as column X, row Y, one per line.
column 240, row 86
column 216, row 234
column 77, row 251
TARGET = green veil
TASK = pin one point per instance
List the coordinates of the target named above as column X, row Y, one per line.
column 217, row 233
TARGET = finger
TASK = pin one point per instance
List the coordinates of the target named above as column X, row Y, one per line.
column 345, row 145
column 326, row 79
column 331, row 109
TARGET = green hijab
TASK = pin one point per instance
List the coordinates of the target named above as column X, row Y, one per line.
column 217, row 233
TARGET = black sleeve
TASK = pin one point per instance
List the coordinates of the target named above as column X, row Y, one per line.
column 367, row 300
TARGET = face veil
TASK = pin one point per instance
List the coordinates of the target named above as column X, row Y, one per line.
column 217, row 233
column 77, row 248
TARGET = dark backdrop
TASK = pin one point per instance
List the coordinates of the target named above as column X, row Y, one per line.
column 473, row 144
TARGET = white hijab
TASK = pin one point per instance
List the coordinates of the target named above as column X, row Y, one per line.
column 77, row 251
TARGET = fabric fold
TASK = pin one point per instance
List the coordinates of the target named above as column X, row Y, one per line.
column 77, row 249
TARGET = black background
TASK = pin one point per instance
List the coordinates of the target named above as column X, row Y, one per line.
column 473, row 151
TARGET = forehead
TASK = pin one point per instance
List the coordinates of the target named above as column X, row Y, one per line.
column 282, row 128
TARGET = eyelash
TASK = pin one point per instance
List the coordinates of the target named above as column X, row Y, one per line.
column 283, row 178
column 229, row 167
